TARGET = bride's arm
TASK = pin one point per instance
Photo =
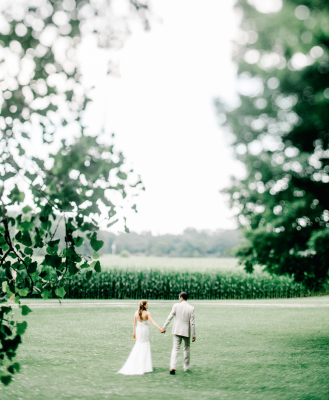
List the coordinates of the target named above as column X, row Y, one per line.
column 152, row 322
column 134, row 330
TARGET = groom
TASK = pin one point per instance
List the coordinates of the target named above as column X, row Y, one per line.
column 183, row 329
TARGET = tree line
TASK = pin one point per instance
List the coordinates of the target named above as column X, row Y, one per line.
column 191, row 243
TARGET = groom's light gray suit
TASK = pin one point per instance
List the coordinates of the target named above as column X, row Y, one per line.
column 183, row 329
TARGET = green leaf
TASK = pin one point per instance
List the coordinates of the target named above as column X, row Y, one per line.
column 52, row 250
column 11, row 221
column 28, row 260
column 33, row 267
column 97, row 267
column 23, row 292
column 46, row 211
column 27, row 209
column 8, row 274
column 32, row 177
column 96, row 244
column 60, row 292
column 7, row 175
column 122, row 175
column 20, row 149
column 21, row 327
column 89, row 274
column 4, row 286
column 5, row 247
column 53, row 243
column 46, row 294
column 84, row 265
column 16, row 196
column 6, row 379
column 73, row 269
column 28, row 251
column 25, row 310
column 24, row 238
column 96, row 256
column 43, row 274
column 2, row 240
column 6, row 309
column 6, row 330
column 78, row 241
column 8, row 289
column 52, row 260
column 14, row 367
column 46, row 225
column 17, row 265
column 88, row 226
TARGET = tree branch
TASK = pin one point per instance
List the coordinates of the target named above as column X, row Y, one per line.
column 51, row 237
column 66, row 245
column 13, row 248
column 4, row 257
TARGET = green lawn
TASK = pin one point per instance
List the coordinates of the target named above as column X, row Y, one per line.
column 252, row 349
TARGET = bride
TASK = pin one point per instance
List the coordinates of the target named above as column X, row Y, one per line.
column 139, row 361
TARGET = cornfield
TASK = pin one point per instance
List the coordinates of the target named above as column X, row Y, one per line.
column 157, row 284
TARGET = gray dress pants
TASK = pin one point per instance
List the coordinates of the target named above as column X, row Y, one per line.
column 177, row 340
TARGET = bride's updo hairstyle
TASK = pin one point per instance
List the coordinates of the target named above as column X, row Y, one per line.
column 141, row 308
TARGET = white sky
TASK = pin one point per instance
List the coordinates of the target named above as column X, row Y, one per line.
column 161, row 110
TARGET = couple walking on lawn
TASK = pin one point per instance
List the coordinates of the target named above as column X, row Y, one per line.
column 139, row 361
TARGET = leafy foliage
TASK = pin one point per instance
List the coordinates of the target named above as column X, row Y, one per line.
column 280, row 134
column 43, row 92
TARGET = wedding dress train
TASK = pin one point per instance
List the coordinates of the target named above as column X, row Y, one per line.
column 139, row 361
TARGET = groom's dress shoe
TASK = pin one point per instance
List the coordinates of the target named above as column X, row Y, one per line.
column 172, row 372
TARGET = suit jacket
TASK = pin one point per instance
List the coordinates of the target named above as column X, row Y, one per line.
column 184, row 323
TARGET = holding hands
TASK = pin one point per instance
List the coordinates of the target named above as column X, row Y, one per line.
column 162, row 330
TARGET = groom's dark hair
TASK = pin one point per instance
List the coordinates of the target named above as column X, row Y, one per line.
column 184, row 295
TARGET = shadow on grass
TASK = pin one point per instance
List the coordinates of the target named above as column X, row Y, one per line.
column 313, row 341
column 165, row 370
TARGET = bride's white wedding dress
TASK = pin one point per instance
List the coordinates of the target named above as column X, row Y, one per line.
column 139, row 361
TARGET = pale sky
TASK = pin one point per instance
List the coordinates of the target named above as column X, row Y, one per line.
column 161, row 110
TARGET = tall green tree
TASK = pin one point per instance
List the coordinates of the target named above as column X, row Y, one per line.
column 280, row 134
column 42, row 93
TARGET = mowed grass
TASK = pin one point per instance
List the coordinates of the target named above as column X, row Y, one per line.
column 184, row 264
column 245, row 349
column 174, row 264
